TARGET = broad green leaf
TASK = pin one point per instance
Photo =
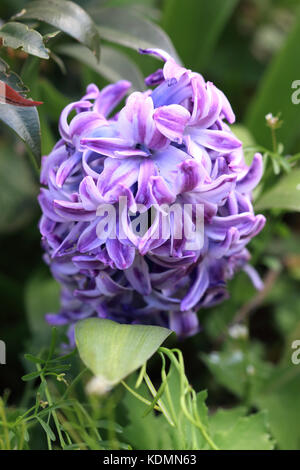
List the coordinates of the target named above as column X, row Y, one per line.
column 281, row 400
column 66, row 16
column 284, row 195
column 18, row 35
column 24, row 121
column 244, row 373
column 275, row 94
column 125, row 27
column 113, row 65
column 112, row 351
column 222, row 420
column 247, row 433
column 18, row 190
column 195, row 26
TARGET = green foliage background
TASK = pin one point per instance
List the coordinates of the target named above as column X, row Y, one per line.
column 249, row 49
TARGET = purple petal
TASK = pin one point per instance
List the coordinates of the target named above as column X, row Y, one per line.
column 146, row 171
column 47, row 206
column 253, row 176
column 63, row 120
column 197, row 290
column 220, row 141
column 67, row 167
column 120, row 254
column 254, row 276
column 171, row 121
column 184, row 324
column 73, row 211
column 110, row 96
column 217, row 191
column 138, row 275
column 113, row 147
column 160, row 191
column 69, row 244
column 109, row 287
column 89, row 194
column 189, row 176
column 155, row 78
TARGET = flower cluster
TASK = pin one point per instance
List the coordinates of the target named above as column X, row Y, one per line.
column 168, row 145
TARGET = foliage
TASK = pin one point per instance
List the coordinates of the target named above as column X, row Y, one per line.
column 241, row 360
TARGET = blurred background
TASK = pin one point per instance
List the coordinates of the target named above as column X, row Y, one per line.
column 249, row 49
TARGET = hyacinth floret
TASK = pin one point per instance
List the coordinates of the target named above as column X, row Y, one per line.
column 170, row 144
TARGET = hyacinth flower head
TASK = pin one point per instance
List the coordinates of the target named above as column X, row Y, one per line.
column 168, row 147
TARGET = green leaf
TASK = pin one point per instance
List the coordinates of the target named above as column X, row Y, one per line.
column 112, row 351
column 141, row 431
column 281, row 400
column 284, row 195
column 125, row 27
column 113, row 65
column 242, row 372
column 244, row 433
column 47, row 429
column 34, row 359
column 24, row 121
column 18, row 35
column 275, row 94
column 66, row 16
column 222, row 420
column 31, row 376
column 200, row 23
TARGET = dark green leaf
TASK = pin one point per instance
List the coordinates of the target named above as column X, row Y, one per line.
column 113, row 65
column 31, row 376
column 47, row 429
column 125, row 27
column 18, row 35
column 66, row 16
column 24, row 121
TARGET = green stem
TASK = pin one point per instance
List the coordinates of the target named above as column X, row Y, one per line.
column 50, row 401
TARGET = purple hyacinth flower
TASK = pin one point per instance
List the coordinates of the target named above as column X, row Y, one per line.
column 167, row 150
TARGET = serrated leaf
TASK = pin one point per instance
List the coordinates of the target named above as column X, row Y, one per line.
column 123, row 26
column 112, row 351
column 247, row 433
column 243, row 373
column 24, row 121
column 18, row 35
column 113, row 65
column 284, row 195
column 280, row 398
column 66, row 16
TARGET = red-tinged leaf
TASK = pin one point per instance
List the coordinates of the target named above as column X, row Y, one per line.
column 10, row 96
